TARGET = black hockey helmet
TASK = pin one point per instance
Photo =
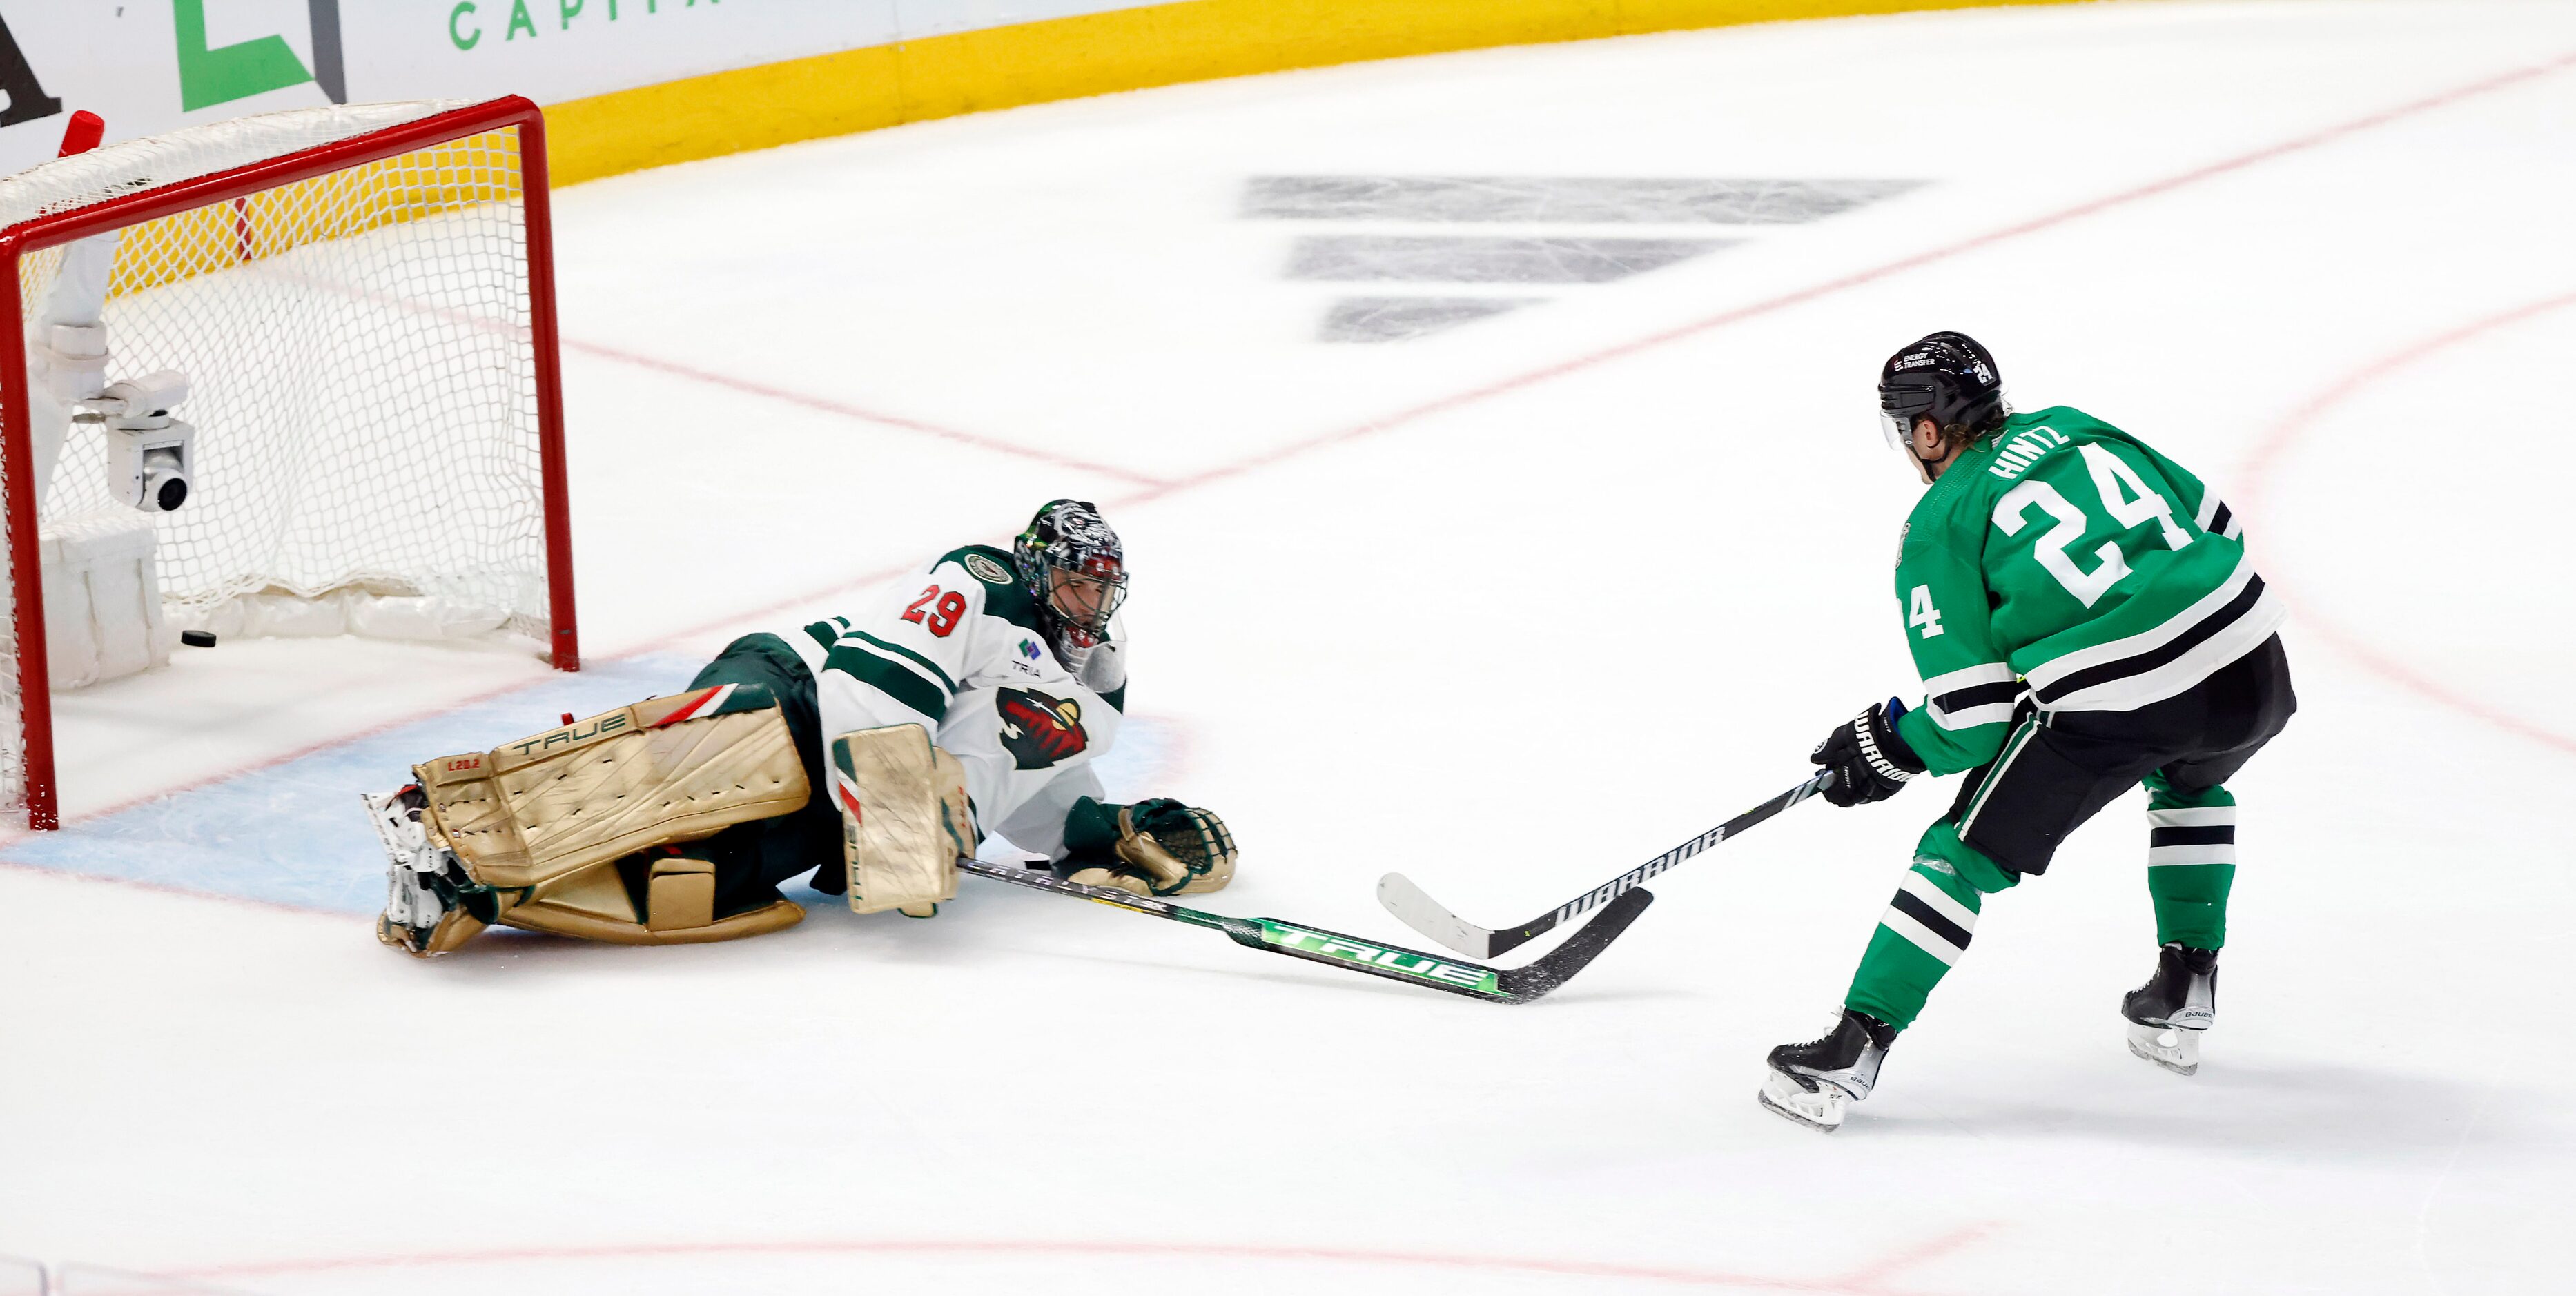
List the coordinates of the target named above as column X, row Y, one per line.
column 1068, row 544
column 1949, row 378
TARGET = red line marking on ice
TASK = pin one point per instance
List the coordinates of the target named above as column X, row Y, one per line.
column 1458, row 400
column 160, row 888
column 675, row 369
column 1865, row 1281
column 1870, row 1277
column 800, row 603
column 1158, row 489
column 20, row 832
column 2296, row 424
column 847, row 410
column 1802, row 296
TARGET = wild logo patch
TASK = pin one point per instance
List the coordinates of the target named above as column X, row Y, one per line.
column 1040, row 729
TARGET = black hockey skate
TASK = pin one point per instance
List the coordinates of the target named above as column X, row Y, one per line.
column 1811, row 1083
column 431, row 905
column 2168, row 1013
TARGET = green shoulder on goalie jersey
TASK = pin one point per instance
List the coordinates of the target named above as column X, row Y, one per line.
column 870, row 752
column 2084, row 619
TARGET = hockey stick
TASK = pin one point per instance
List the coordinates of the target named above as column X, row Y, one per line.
column 1413, row 967
column 1427, row 916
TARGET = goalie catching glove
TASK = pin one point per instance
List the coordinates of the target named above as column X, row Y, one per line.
column 1154, row 847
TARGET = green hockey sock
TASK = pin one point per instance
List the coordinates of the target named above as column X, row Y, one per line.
column 2191, row 862
column 1925, row 928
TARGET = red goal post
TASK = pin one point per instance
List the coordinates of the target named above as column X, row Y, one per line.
column 361, row 301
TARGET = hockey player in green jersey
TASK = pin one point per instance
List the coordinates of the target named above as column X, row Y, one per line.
column 869, row 751
column 2084, row 619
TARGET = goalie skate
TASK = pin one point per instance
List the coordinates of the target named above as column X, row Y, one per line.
column 426, row 908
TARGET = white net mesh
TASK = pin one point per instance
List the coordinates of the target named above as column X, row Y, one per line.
column 362, row 376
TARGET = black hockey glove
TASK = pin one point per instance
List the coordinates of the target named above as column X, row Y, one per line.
column 1154, row 847
column 1870, row 760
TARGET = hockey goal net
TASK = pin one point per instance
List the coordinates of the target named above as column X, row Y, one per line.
column 350, row 311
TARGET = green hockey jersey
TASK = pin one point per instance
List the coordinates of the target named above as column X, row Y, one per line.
column 2064, row 557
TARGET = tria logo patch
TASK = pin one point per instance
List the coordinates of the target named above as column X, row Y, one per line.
column 1029, row 649
column 1040, row 729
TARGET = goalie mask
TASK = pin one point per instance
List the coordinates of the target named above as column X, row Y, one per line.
column 1072, row 564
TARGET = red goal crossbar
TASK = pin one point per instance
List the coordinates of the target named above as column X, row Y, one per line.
column 17, row 467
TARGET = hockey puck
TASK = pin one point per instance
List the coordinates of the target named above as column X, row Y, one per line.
column 197, row 638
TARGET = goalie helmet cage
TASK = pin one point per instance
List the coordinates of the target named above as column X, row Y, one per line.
column 362, row 300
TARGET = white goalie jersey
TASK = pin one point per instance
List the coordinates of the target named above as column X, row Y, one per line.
column 962, row 651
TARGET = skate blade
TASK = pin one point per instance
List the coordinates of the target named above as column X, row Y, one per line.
column 2182, row 1057
column 1821, row 1110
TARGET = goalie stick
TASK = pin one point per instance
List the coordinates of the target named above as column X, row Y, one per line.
column 1417, row 910
column 1413, row 967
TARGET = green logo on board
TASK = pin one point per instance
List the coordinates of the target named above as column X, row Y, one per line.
column 227, row 72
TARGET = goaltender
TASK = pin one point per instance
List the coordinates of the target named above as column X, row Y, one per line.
column 870, row 752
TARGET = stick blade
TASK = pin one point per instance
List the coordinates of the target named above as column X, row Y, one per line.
column 1416, row 909
column 1521, row 985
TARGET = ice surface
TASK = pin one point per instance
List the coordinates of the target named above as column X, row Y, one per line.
column 1559, row 199
column 1394, row 319
column 1507, row 606
column 1450, row 259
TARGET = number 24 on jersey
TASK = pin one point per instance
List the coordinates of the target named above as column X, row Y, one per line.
column 2125, row 496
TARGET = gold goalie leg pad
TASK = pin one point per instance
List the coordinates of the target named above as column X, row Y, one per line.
column 677, row 906
column 904, row 819
column 555, row 806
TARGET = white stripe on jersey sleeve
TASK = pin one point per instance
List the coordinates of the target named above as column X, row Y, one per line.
column 1990, row 713
column 1974, row 677
column 1953, row 681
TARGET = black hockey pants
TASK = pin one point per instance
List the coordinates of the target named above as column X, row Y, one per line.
column 753, row 859
column 2058, row 769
